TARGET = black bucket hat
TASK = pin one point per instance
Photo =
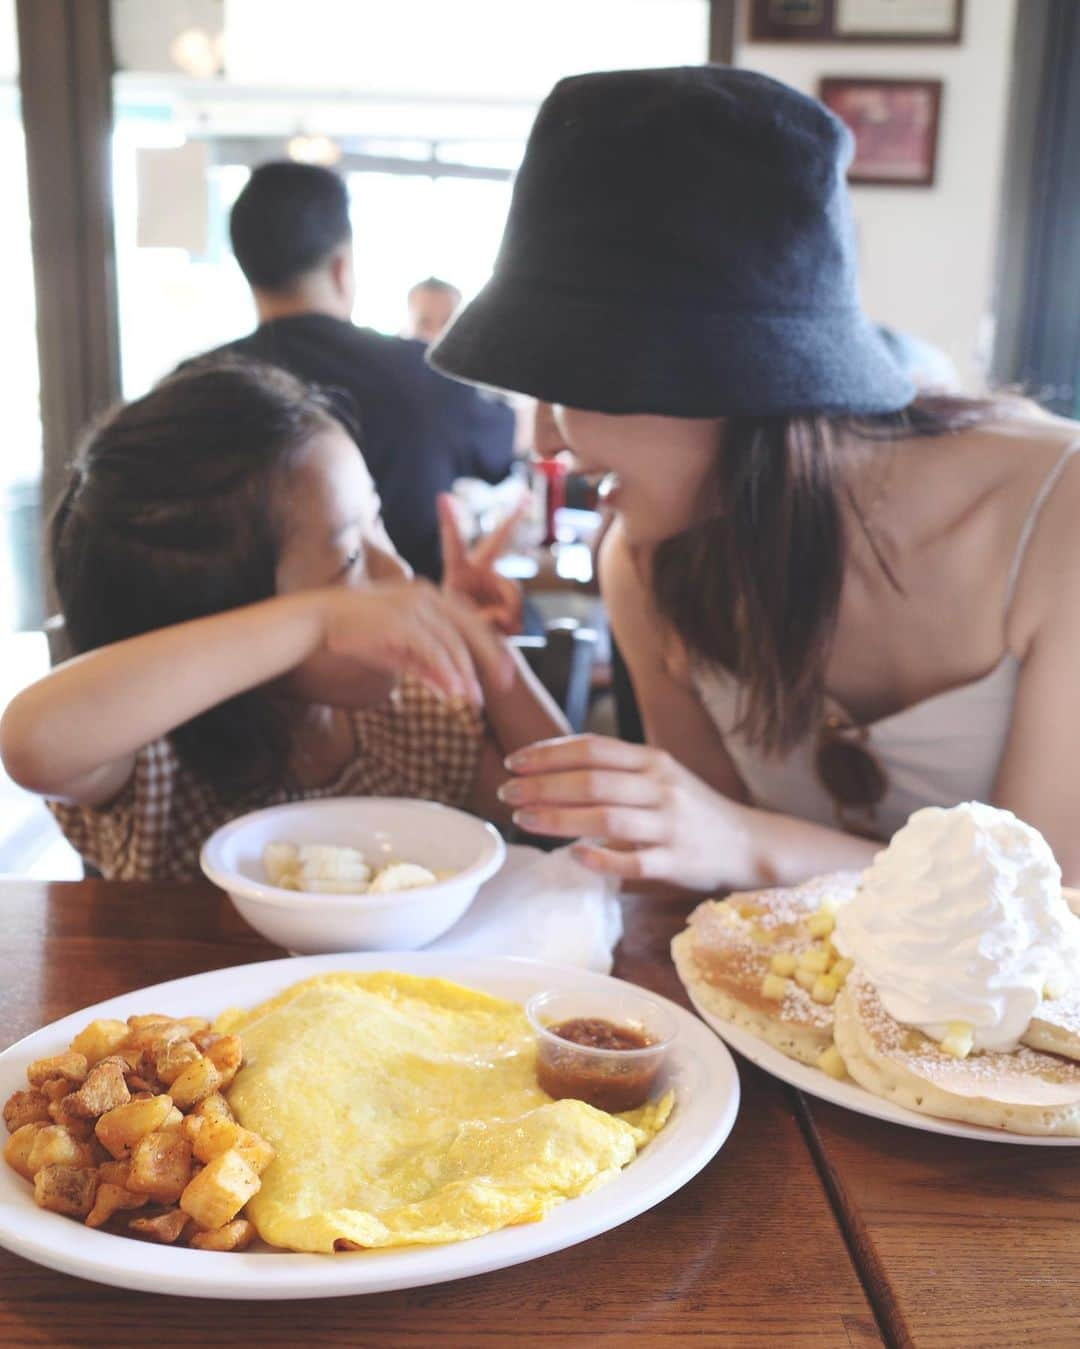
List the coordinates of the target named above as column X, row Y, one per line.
column 679, row 242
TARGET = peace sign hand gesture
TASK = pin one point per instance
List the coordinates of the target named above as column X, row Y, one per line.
column 471, row 573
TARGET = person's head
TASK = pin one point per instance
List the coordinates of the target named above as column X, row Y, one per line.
column 228, row 483
column 292, row 238
column 431, row 307
column 678, row 279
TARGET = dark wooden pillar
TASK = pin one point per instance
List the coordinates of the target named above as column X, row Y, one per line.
column 65, row 74
column 723, row 24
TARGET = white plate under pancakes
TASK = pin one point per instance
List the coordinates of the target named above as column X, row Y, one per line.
column 699, row 1068
column 854, row 1097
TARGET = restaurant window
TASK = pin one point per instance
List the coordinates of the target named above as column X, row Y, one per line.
column 404, row 101
column 21, row 585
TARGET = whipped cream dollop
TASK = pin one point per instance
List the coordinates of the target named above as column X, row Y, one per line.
column 961, row 918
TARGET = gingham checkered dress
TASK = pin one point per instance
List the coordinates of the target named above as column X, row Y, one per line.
column 413, row 745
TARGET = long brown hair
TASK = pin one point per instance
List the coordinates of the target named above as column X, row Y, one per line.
column 755, row 588
column 171, row 513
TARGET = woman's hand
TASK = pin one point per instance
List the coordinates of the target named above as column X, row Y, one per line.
column 470, row 573
column 640, row 814
column 409, row 627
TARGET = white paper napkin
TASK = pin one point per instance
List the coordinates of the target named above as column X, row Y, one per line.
column 545, row 906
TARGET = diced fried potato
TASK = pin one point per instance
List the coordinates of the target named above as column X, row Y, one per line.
column 137, row 1023
column 150, row 1039
column 100, row 1039
column 195, row 1083
column 234, row 1236
column 114, row 1173
column 18, row 1148
column 104, row 1089
column 203, row 1039
column 214, row 1107
column 221, row 1189
column 65, row 1189
column 192, row 1126
column 26, row 1107
column 57, row 1088
column 56, row 1146
column 161, row 1166
column 193, row 1025
column 220, row 1135
column 172, row 1058
column 227, row 1055
column 111, row 1199
column 173, row 1122
column 69, row 1066
column 166, row 1227
column 60, row 1113
column 121, row 1129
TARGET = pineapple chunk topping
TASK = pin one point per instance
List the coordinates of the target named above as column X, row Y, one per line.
column 815, row 958
column 841, row 969
column 830, row 1062
column 959, row 1039
column 824, row 989
column 784, row 963
column 822, row 923
column 806, row 979
column 774, row 986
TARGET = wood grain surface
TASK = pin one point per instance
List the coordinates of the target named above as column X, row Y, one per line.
column 748, row 1253
column 961, row 1244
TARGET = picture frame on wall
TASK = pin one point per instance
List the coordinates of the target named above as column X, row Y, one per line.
column 898, row 20
column 791, row 20
column 896, row 125
column 855, row 21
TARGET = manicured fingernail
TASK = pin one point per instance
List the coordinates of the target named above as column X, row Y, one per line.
column 511, row 793
column 526, row 819
column 517, row 761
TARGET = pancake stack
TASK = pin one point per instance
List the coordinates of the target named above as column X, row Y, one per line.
column 749, row 959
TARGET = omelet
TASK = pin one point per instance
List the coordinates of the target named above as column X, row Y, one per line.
column 405, row 1110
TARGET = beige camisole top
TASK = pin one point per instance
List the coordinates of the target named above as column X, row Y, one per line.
column 938, row 752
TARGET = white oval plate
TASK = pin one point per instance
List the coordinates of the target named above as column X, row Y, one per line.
column 854, row 1097
column 699, row 1068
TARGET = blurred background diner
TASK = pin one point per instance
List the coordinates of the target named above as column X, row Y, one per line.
column 323, row 184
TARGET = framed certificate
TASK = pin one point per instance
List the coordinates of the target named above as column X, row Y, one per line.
column 898, row 20
column 869, row 21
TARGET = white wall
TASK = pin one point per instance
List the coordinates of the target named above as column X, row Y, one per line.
column 928, row 253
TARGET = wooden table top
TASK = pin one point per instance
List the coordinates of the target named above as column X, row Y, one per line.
column 748, row 1253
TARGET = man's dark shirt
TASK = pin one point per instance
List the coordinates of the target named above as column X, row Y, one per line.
column 417, row 429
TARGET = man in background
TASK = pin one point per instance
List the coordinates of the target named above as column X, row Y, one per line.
column 432, row 303
column 418, row 430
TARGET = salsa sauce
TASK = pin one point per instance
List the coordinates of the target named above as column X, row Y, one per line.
column 603, row 1082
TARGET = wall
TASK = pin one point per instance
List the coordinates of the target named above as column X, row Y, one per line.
column 928, row 254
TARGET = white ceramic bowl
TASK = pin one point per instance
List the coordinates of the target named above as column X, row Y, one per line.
column 384, row 829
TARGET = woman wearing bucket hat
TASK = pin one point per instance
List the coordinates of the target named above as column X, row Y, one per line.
column 838, row 602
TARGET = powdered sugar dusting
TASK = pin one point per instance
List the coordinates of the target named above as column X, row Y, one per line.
column 735, row 939
column 1063, row 1012
column 1019, row 1075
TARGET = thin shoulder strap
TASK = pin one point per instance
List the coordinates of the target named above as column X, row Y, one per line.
column 1041, row 497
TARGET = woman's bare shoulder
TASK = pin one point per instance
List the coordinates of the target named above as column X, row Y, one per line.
column 1045, row 487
